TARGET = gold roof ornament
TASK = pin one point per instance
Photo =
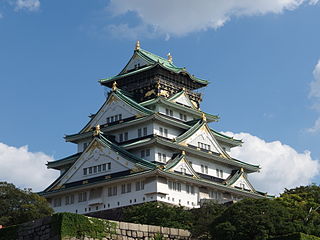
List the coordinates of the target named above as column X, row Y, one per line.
column 241, row 170
column 97, row 130
column 137, row 45
column 169, row 57
column 114, row 86
column 183, row 152
column 204, row 118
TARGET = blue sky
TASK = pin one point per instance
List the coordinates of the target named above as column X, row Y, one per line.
column 260, row 57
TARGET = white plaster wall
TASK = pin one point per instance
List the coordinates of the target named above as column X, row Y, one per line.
column 132, row 131
column 135, row 61
column 176, row 113
column 172, row 132
column 196, row 165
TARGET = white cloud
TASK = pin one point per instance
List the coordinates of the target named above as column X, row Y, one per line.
column 180, row 17
column 315, row 85
column 30, row 5
column 315, row 94
column 281, row 165
column 25, row 169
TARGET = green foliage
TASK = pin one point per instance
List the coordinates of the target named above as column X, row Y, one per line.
column 252, row 219
column 158, row 236
column 156, row 213
column 18, row 206
column 9, row 233
column 295, row 236
column 202, row 217
column 75, row 225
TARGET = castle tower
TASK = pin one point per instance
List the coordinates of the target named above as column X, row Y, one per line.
column 149, row 141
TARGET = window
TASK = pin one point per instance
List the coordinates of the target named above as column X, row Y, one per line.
column 171, row 113
column 202, row 168
column 85, row 145
column 219, row 173
column 128, row 187
column 114, row 190
column 148, row 152
column 204, row 146
column 104, row 167
column 120, row 116
column 85, row 171
column 82, row 197
column 108, row 119
column 126, row 136
column 190, row 189
column 95, row 169
column 121, row 137
column 99, row 168
column 183, row 171
column 166, row 132
column 90, row 170
column 57, row 202
column 109, row 165
column 175, row 186
column 142, row 153
column 161, row 131
column 145, row 131
column 160, row 157
column 167, row 111
column 164, row 157
column 179, row 187
column 114, row 118
column 206, row 169
column 139, row 132
column 69, row 199
column 123, row 188
column 183, row 117
column 139, row 185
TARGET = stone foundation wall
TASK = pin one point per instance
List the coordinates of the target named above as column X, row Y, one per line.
column 44, row 229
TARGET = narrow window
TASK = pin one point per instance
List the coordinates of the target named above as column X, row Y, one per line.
column 72, row 199
column 139, row 132
column 123, row 188
column 170, row 184
column 221, row 173
column 116, row 118
column 187, row 188
column 171, row 113
column 167, row 111
column 142, row 153
column 121, row 137
column 67, row 200
column 104, row 167
column 137, row 186
column 108, row 120
column 160, row 157
column 99, row 168
column 85, row 146
column 109, row 191
column 206, row 169
column 95, row 169
column 179, row 187
column 181, row 116
column 109, row 166
column 148, row 152
column 217, row 172
column 85, row 171
column 202, row 168
column 161, row 131
column 111, row 119
column 114, row 190
column 128, row 187
column 120, row 116
column 164, row 158
column 166, row 132
column 145, row 131
column 185, row 117
column 90, row 170
column 126, row 136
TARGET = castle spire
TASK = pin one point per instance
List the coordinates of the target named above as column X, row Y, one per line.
column 137, row 45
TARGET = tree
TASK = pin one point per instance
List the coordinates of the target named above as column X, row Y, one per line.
column 202, row 217
column 19, row 206
column 157, row 213
column 255, row 219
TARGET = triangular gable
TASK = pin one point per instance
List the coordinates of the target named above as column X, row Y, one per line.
column 182, row 165
column 136, row 61
column 183, row 99
column 116, row 107
column 240, row 180
column 201, row 136
column 97, row 154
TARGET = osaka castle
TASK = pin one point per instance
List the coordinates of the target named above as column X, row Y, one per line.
column 149, row 141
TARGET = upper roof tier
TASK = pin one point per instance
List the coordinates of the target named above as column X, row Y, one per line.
column 148, row 71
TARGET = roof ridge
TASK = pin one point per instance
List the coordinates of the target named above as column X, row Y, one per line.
column 190, row 131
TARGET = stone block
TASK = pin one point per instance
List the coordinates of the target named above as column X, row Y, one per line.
column 140, row 234
column 154, row 229
column 143, row 227
column 129, row 233
column 123, row 225
column 165, row 230
column 133, row 226
column 183, row 233
column 174, row 231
